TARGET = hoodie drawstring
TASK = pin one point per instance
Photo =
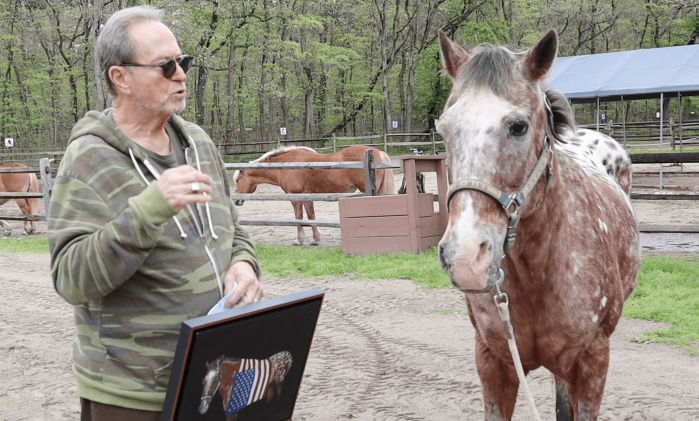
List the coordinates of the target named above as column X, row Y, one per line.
column 206, row 204
column 156, row 174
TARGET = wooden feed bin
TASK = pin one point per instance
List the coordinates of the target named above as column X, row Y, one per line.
column 397, row 223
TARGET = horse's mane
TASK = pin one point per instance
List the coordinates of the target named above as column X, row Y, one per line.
column 563, row 122
column 270, row 154
column 279, row 151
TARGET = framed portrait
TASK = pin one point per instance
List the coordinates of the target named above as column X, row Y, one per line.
column 244, row 363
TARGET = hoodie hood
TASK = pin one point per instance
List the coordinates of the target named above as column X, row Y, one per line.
column 102, row 125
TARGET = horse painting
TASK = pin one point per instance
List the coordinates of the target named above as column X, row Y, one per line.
column 20, row 183
column 241, row 382
column 314, row 181
column 520, row 169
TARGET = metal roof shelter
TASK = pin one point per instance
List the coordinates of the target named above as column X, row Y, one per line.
column 628, row 75
column 636, row 74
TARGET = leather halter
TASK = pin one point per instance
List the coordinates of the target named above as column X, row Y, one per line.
column 515, row 200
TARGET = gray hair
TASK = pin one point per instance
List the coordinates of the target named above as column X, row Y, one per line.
column 114, row 44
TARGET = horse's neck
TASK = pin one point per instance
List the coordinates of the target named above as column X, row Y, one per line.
column 267, row 176
column 538, row 237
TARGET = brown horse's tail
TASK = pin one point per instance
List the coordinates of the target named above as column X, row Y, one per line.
column 33, row 188
column 387, row 184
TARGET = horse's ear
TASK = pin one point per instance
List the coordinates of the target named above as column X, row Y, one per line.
column 453, row 55
column 540, row 57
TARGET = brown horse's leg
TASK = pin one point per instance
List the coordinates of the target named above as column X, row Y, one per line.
column 311, row 214
column 590, row 376
column 23, row 204
column 298, row 214
column 499, row 382
column 564, row 412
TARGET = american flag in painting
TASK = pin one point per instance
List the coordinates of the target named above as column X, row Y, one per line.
column 249, row 384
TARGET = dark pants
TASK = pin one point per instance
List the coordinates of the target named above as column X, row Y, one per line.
column 95, row 411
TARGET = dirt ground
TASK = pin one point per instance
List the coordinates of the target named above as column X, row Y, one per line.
column 383, row 350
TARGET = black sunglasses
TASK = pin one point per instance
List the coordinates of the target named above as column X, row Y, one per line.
column 169, row 67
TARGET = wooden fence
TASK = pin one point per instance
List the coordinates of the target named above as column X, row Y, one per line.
column 648, row 133
column 383, row 141
column 368, row 166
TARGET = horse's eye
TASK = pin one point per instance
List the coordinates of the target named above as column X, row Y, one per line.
column 519, row 128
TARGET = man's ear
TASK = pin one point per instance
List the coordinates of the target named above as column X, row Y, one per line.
column 121, row 79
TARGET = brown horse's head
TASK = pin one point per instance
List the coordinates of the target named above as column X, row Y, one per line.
column 493, row 127
column 244, row 183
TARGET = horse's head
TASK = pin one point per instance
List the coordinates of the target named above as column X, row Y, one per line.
column 244, row 183
column 494, row 125
column 210, row 383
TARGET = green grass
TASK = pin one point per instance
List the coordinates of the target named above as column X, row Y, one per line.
column 291, row 261
column 24, row 244
column 668, row 291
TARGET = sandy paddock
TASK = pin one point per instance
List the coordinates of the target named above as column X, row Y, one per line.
column 383, row 350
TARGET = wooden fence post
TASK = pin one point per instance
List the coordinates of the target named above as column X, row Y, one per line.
column 385, row 143
column 369, row 174
column 334, row 147
column 46, row 183
column 434, row 145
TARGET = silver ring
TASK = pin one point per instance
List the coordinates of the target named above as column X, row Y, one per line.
column 195, row 186
column 255, row 300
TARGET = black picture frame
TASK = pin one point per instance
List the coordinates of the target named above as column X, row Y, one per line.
column 267, row 341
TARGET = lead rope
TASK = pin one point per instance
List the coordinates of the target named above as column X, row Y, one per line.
column 502, row 302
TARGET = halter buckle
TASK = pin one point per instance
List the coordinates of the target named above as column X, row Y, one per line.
column 500, row 295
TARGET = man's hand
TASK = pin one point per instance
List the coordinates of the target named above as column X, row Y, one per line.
column 176, row 186
column 248, row 290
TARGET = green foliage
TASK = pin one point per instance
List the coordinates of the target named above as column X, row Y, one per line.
column 273, row 56
column 325, row 262
column 668, row 291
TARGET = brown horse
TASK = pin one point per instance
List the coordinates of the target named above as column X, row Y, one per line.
column 266, row 377
column 314, row 181
column 518, row 165
column 21, row 183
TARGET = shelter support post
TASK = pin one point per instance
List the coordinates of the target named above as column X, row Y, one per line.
column 597, row 114
column 662, row 101
column 623, row 119
column 679, row 110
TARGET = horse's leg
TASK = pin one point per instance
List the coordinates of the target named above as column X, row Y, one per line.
column 298, row 214
column 499, row 382
column 311, row 214
column 564, row 412
column 590, row 376
column 23, row 204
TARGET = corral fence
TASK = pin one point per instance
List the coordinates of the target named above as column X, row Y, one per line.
column 644, row 134
column 431, row 143
column 368, row 166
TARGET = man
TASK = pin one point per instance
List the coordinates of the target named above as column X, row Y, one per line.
column 142, row 231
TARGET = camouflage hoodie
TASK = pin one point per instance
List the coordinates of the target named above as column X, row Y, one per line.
column 133, row 268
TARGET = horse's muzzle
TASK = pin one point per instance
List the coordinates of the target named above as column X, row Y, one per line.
column 204, row 405
column 470, row 270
